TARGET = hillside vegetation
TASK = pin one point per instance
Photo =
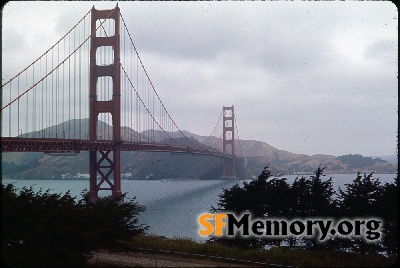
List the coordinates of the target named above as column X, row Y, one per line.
column 145, row 165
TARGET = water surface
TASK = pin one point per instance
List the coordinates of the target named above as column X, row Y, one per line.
column 172, row 206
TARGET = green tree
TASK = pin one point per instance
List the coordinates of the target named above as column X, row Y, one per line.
column 300, row 201
column 235, row 199
column 312, row 197
column 322, row 202
column 44, row 229
column 361, row 199
column 268, row 197
column 263, row 197
column 388, row 210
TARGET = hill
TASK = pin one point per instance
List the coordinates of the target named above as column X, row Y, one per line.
column 254, row 156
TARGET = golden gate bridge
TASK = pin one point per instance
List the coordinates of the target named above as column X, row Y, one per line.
column 91, row 92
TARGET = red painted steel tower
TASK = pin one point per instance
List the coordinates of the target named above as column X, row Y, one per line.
column 228, row 141
column 105, row 164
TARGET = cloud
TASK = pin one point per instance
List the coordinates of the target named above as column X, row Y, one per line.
column 305, row 77
column 383, row 50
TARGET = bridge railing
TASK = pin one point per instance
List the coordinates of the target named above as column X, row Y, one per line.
column 67, row 145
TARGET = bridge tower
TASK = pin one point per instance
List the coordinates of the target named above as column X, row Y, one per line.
column 105, row 164
column 228, row 142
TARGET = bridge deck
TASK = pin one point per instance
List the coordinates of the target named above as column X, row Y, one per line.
column 69, row 145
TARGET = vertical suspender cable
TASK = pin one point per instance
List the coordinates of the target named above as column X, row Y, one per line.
column 84, row 99
column 103, row 87
column 133, row 104
column 41, row 110
column 142, row 115
column 18, row 106
column 47, row 96
column 125, row 94
column 80, row 86
column 140, row 106
column 69, row 88
column 63, row 92
column 27, row 104
column 42, row 104
column 52, row 94
column 9, row 116
column 148, row 116
column 74, row 75
column 122, row 92
column 153, row 120
column 57, row 89
column 86, row 48
column 34, row 101
column 137, row 101
column 128, row 135
column 237, row 132
column 147, row 101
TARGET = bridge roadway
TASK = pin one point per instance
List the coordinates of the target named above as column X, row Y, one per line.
column 49, row 145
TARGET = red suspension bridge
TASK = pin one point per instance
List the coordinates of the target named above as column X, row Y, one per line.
column 90, row 92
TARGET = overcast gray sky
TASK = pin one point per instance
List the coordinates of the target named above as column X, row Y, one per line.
column 307, row 77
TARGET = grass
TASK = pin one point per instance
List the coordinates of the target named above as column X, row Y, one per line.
column 278, row 255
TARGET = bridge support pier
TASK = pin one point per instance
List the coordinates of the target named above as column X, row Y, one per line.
column 105, row 164
column 228, row 143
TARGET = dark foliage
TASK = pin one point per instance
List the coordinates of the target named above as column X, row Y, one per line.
column 388, row 210
column 11, row 168
column 314, row 197
column 359, row 161
column 367, row 197
column 44, row 229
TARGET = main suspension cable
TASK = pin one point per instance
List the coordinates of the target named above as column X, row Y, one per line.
column 162, row 104
column 219, row 118
column 144, row 105
column 26, row 91
column 46, row 51
column 237, row 132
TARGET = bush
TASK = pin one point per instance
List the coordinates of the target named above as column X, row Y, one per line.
column 43, row 229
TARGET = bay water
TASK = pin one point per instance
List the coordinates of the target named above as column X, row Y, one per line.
column 172, row 205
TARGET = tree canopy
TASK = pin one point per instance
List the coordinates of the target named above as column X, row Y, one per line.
column 47, row 229
column 314, row 197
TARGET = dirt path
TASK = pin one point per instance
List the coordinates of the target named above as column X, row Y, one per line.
column 130, row 259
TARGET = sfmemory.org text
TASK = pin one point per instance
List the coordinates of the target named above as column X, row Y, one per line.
column 230, row 225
